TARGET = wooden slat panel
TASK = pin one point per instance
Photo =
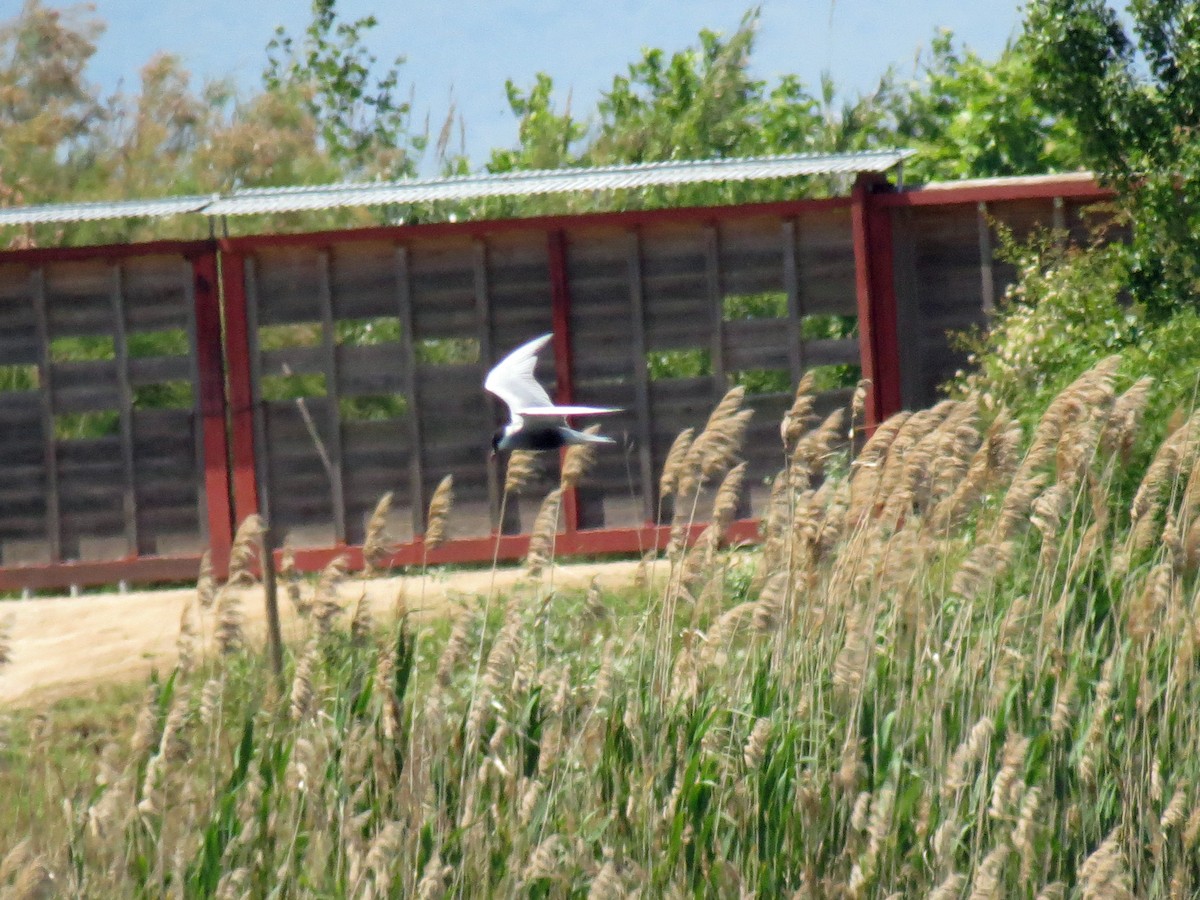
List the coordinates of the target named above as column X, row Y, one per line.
column 334, row 448
column 157, row 369
column 795, row 299
column 53, row 515
column 125, row 412
column 286, row 282
column 362, row 279
column 411, row 383
column 261, row 447
column 832, row 351
column 715, row 297
column 373, row 369
column 491, row 415
column 643, row 436
column 77, row 298
column 300, row 360
column 746, row 338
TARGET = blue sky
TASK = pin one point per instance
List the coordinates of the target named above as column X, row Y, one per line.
column 468, row 49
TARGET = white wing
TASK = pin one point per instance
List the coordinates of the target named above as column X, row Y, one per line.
column 568, row 410
column 512, row 379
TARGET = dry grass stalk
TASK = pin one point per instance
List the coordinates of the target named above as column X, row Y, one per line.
column 672, row 469
column 291, row 581
column 377, row 545
column 522, row 467
column 362, row 624
column 728, row 496
column 814, row 449
column 714, row 449
column 951, row 887
column 185, row 645
column 229, row 618
column 244, row 555
column 1006, row 788
column 982, row 567
column 578, row 459
column 799, row 417
column 868, row 466
column 327, row 604
column 988, row 883
column 456, row 648
column 858, row 405
column 968, row 752
column 436, row 529
column 1124, row 417
column 1104, row 874
column 544, row 861
column 206, row 584
column 6, row 626
column 545, row 529
column 1088, row 759
column 755, row 750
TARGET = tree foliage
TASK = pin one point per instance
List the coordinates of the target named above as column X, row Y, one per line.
column 969, row 118
column 364, row 126
column 1133, row 98
column 327, row 110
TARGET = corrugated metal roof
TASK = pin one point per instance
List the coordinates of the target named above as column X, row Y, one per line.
column 108, row 209
column 506, row 184
column 548, row 181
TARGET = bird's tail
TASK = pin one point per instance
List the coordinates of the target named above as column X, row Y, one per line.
column 582, row 437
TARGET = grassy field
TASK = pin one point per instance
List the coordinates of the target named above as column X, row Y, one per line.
column 962, row 663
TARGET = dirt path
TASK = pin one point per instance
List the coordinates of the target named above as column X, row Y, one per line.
column 61, row 647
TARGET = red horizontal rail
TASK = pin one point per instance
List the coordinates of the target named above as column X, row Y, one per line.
column 150, row 569
column 598, row 541
column 105, row 252
column 998, row 190
column 134, row 570
column 476, row 228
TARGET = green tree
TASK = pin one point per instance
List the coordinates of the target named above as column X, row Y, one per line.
column 48, row 115
column 364, row 125
column 1134, row 101
column 970, row 118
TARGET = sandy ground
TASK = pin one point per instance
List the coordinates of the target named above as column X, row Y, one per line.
column 62, row 647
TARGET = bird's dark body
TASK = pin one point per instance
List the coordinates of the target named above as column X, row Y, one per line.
column 549, row 437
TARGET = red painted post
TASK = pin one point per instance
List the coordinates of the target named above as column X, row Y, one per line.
column 878, row 334
column 244, row 481
column 560, row 312
column 207, row 296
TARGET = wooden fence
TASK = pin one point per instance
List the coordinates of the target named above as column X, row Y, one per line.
column 151, row 396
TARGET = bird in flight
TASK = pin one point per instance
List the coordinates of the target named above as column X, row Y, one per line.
column 535, row 423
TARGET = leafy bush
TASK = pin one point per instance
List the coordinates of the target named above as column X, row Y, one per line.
column 1069, row 308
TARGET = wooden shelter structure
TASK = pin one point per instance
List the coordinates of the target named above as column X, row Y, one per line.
column 384, row 335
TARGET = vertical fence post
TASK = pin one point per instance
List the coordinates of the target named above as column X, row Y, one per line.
column 560, row 312
column 211, row 403
column 878, row 336
column 244, row 477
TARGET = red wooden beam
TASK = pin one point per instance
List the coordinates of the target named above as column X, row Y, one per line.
column 1080, row 186
column 483, row 227
column 106, row 252
column 560, row 314
column 475, row 550
column 244, row 477
column 878, row 337
column 211, row 367
column 151, row 569
column 141, row 569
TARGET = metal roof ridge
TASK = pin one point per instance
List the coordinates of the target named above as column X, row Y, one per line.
column 891, row 155
column 245, row 201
